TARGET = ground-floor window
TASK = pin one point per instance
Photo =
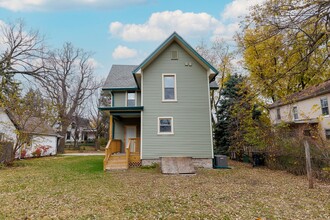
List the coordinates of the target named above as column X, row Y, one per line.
column 165, row 125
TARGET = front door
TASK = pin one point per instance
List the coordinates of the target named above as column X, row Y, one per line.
column 130, row 132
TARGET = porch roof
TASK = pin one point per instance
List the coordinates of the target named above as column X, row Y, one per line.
column 121, row 109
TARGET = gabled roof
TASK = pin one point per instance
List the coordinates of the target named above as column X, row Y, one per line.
column 120, row 76
column 310, row 92
column 175, row 37
column 31, row 125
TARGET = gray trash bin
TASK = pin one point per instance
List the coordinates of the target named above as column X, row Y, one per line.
column 220, row 161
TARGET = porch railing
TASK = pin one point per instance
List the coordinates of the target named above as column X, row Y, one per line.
column 112, row 147
column 133, row 148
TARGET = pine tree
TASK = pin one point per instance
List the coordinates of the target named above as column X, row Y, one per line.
column 226, row 122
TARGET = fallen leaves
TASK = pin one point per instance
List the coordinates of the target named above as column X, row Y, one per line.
column 77, row 188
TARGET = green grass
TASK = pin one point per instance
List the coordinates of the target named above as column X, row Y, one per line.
column 77, row 188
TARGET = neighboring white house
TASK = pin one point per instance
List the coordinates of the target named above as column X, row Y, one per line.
column 41, row 137
column 306, row 108
column 79, row 130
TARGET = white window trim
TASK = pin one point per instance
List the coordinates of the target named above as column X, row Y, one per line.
column 295, row 119
column 326, row 116
column 278, row 114
column 172, row 126
column 126, row 98
column 163, row 88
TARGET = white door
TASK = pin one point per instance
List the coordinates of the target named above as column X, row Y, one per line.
column 130, row 133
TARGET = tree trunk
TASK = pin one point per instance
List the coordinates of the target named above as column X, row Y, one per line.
column 61, row 146
column 97, row 143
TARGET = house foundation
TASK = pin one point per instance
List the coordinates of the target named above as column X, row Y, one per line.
column 197, row 162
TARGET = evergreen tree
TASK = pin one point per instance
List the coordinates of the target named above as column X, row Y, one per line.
column 226, row 122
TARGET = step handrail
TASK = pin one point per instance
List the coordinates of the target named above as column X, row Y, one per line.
column 113, row 146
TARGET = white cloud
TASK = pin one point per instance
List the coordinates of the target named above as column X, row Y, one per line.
column 123, row 52
column 31, row 5
column 238, row 9
column 161, row 24
column 94, row 63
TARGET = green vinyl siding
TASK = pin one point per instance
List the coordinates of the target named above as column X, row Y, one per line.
column 138, row 103
column 191, row 118
column 119, row 132
column 120, row 99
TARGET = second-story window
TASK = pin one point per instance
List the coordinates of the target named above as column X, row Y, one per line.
column 295, row 113
column 278, row 114
column 169, row 87
column 130, row 99
column 324, row 106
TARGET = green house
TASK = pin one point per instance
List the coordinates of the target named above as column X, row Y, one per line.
column 160, row 108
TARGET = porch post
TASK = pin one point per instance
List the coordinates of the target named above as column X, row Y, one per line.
column 110, row 127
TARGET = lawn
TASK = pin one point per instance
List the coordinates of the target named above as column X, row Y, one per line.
column 77, row 188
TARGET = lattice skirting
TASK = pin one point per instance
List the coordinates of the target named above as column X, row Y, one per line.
column 134, row 163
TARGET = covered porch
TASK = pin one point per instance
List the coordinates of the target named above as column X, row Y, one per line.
column 123, row 148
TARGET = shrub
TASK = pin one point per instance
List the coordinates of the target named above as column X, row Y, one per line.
column 23, row 153
column 37, row 152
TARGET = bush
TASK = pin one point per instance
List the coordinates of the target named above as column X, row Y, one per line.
column 37, row 152
column 23, row 153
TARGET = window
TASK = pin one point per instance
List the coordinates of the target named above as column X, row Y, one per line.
column 278, row 111
column 165, row 125
column 68, row 135
column 174, row 55
column 327, row 134
column 169, row 87
column 324, row 106
column 295, row 113
column 2, row 137
column 130, row 99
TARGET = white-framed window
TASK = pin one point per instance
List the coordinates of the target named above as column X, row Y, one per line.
column 165, row 125
column 327, row 134
column 2, row 137
column 278, row 114
column 295, row 112
column 130, row 99
column 169, row 87
column 324, row 106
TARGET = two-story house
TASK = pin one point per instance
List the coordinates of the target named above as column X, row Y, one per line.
column 161, row 108
column 305, row 110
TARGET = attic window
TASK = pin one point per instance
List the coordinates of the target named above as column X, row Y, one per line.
column 174, row 55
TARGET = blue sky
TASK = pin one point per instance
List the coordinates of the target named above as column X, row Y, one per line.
column 126, row 31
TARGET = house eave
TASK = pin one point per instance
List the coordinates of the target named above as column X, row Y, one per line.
column 121, row 109
column 176, row 37
column 122, row 89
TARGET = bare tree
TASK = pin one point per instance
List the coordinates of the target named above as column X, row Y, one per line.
column 98, row 119
column 68, row 80
column 21, row 50
column 220, row 56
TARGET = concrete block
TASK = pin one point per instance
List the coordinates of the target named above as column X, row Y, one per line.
column 177, row 165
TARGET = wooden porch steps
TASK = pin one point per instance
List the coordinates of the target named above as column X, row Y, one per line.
column 117, row 162
column 114, row 160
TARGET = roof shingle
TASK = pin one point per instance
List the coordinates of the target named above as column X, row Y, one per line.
column 310, row 92
column 120, row 76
